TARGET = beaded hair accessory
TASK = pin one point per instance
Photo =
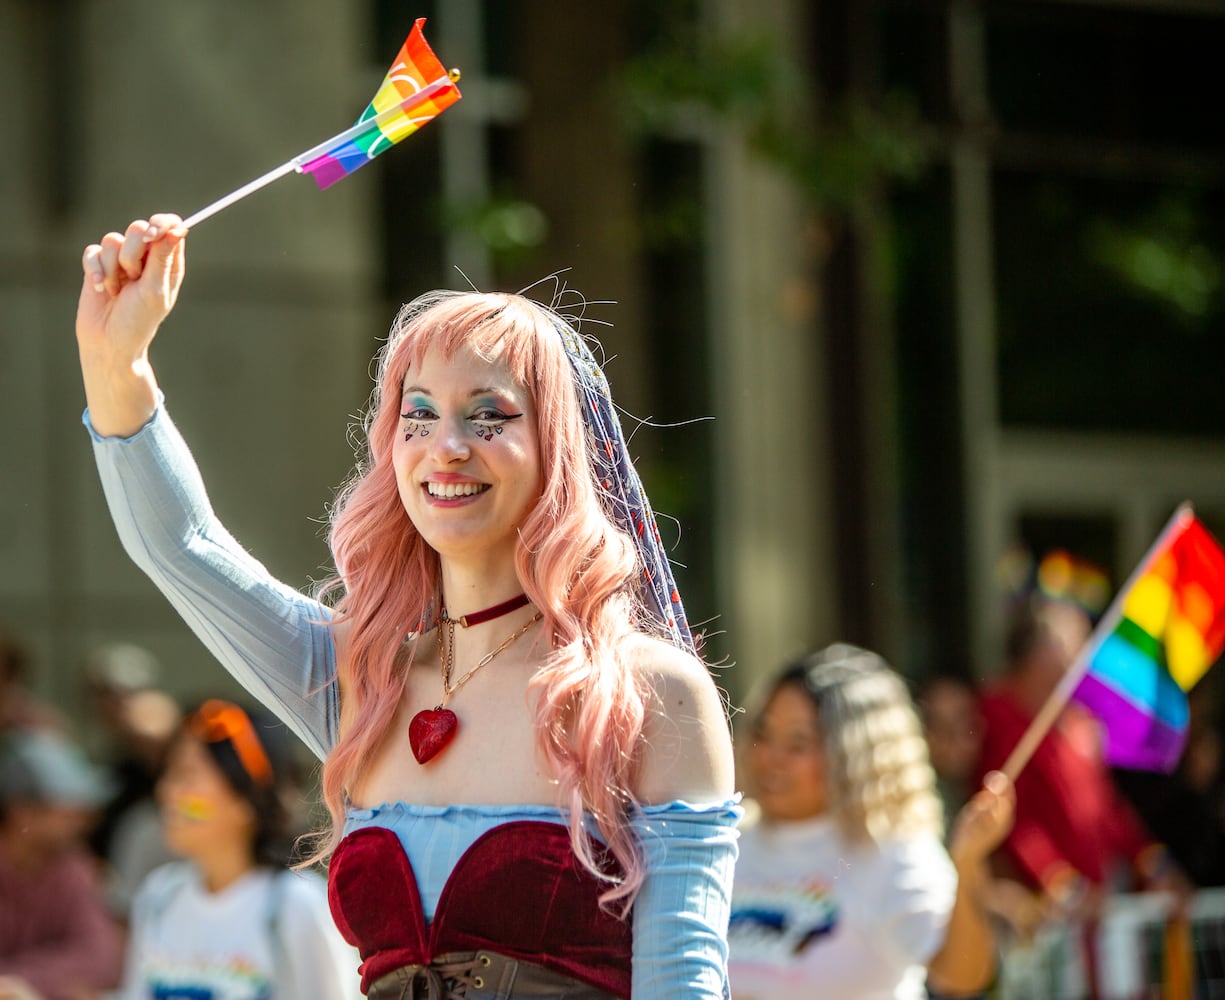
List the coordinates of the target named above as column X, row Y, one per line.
column 624, row 498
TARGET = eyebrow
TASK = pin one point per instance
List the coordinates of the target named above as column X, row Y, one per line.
column 482, row 391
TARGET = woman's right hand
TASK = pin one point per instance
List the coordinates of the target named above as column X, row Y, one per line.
column 131, row 282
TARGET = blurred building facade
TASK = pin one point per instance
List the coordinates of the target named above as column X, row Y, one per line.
column 946, row 275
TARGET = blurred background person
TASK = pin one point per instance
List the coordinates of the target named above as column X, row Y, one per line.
column 130, row 839
column 20, row 708
column 843, row 887
column 112, row 672
column 128, row 735
column 1186, row 810
column 133, row 723
column 1075, row 835
column 953, row 729
column 57, row 939
column 229, row 922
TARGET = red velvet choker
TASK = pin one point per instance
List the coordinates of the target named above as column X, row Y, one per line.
column 487, row 614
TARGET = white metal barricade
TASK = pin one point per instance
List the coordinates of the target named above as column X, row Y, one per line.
column 1131, row 950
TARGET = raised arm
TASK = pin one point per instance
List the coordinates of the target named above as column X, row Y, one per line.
column 131, row 282
column 968, row 962
column 276, row 642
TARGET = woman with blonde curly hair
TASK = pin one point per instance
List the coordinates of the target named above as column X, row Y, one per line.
column 843, row 888
column 528, row 766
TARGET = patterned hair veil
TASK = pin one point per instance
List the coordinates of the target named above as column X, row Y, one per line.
column 621, row 489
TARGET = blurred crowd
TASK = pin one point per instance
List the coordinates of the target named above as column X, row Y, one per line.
column 883, row 853
column 843, row 887
column 148, row 857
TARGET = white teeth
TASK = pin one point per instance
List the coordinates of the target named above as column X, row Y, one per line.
column 448, row 490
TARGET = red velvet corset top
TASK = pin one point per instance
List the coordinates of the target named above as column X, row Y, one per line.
column 517, row 891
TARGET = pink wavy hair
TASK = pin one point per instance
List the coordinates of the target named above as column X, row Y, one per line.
column 574, row 564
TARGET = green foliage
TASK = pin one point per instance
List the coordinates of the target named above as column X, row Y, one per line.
column 748, row 85
column 509, row 228
column 674, row 223
column 1164, row 255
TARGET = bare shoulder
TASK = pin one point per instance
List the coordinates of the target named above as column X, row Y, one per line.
column 687, row 742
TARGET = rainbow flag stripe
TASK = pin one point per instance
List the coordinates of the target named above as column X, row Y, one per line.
column 415, row 69
column 1171, row 630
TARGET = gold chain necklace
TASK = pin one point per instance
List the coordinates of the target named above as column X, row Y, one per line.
column 448, row 659
column 432, row 729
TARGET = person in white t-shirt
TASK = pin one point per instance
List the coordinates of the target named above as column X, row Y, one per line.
column 230, row 922
column 843, row 888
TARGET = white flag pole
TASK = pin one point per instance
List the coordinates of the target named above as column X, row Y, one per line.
column 1058, row 699
column 409, row 103
column 249, row 188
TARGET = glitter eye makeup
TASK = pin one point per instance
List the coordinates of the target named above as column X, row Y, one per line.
column 487, row 420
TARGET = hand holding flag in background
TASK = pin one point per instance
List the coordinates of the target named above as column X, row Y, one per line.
column 1163, row 631
column 415, row 91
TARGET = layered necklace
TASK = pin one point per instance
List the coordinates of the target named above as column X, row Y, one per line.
column 432, row 729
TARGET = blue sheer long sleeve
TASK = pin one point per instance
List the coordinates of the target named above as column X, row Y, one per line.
column 273, row 639
column 682, row 910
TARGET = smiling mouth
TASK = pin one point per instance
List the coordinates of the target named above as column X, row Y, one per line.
column 449, row 491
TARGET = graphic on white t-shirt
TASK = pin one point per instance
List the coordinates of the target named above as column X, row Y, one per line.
column 775, row 923
column 237, row 979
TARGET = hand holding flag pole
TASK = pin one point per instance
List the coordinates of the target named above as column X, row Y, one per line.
column 415, row 91
column 1163, row 630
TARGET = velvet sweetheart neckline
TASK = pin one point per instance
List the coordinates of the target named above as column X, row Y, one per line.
column 517, row 890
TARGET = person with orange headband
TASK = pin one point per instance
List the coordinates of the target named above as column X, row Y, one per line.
column 228, row 921
column 527, row 763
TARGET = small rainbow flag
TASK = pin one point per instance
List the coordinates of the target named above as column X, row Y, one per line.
column 1153, row 645
column 415, row 91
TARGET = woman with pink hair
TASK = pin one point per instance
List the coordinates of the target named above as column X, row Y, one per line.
column 527, row 765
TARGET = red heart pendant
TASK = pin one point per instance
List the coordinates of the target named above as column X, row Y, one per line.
column 430, row 731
